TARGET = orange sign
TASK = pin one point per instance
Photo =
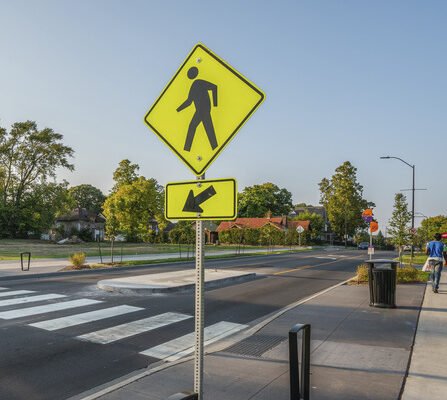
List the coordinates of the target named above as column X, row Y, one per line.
column 367, row 213
column 373, row 226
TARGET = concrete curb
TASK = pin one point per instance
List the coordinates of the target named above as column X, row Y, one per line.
column 110, row 286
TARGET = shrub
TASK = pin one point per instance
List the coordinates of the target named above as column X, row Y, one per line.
column 407, row 274
column 77, row 259
column 85, row 234
column 362, row 273
column 404, row 275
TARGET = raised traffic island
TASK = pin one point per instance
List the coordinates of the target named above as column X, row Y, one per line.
column 171, row 282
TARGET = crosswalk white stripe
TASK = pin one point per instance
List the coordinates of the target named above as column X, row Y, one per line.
column 3, row 288
column 119, row 332
column 25, row 312
column 30, row 299
column 79, row 319
column 184, row 345
column 16, row 292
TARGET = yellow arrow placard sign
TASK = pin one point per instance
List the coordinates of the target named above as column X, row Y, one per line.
column 202, row 108
column 203, row 199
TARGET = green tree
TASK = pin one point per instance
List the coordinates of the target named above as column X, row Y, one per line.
column 316, row 225
column 88, row 197
column 183, row 233
column 134, row 207
column 380, row 240
column 361, row 235
column 125, row 174
column 112, row 227
column 399, row 225
column 259, row 200
column 430, row 226
column 29, row 157
column 342, row 196
column 270, row 235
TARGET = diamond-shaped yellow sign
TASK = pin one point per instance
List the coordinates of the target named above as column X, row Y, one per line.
column 202, row 108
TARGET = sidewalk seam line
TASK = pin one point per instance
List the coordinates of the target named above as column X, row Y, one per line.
column 404, row 380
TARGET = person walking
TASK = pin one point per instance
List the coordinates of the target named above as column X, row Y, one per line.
column 437, row 254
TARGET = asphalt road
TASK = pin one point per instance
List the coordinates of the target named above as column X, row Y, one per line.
column 39, row 363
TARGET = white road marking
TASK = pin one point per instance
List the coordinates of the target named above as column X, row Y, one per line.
column 25, row 312
column 184, row 345
column 16, row 292
column 119, row 332
column 30, row 299
column 84, row 318
column 327, row 258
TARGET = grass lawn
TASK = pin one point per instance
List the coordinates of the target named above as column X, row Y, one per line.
column 10, row 249
column 418, row 259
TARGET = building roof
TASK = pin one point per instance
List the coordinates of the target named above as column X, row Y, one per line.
column 81, row 214
column 280, row 223
column 295, row 224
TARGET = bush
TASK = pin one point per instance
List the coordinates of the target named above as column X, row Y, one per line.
column 404, row 275
column 85, row 234
column 407, row 274
column 77, row 259
column 362, row 273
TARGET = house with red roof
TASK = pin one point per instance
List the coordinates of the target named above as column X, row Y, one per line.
column 280, row 223
column 256, row 230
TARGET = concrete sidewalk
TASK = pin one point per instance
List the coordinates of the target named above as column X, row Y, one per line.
column 427, row 377
column 358, row 352
column 49, row 265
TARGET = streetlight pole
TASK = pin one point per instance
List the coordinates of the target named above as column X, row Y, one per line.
column 412, row 196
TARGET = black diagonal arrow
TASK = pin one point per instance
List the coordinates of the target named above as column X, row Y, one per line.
column 193, row 202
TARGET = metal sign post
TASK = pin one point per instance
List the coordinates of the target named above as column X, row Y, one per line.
column 167, row 120
column 300, row 230
column 200, row 308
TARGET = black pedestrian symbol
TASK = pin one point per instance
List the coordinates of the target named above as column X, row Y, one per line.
column 198, row 93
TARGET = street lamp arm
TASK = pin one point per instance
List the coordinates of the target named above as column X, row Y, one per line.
column 397, row 158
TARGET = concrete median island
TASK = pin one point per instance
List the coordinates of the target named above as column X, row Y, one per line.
column 170, row 282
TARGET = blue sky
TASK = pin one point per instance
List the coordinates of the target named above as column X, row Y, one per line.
column 344, row 80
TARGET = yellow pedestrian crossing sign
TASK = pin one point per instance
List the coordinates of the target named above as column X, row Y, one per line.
column 202, row 108
column 208, row 199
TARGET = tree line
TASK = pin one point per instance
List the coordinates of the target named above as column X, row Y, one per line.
column 31, row 198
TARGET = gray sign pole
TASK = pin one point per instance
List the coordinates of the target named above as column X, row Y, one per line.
column 200, row 308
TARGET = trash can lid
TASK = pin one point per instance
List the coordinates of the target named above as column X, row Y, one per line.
column 381, row 261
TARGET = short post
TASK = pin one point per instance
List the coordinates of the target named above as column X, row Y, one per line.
column 299, row 391
column 99, row 248
column 21, row 260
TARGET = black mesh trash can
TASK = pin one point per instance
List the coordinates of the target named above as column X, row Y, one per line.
column 382, row 276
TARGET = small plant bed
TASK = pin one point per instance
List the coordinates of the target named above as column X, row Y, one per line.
column 406, row 274
column 87, row 267
column 418, row 259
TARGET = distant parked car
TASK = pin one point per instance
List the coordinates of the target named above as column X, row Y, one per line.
column 408, row 248
column 363, row 246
